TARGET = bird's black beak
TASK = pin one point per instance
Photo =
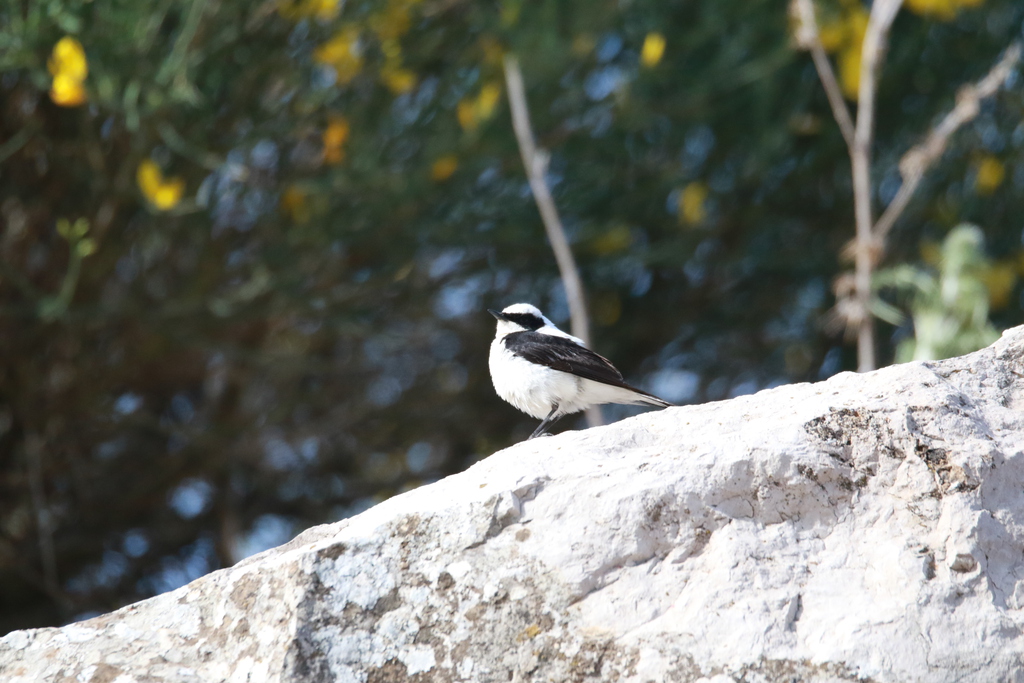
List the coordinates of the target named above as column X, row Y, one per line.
column 497, row 314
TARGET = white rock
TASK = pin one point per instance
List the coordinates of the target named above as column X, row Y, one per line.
column 870, row 526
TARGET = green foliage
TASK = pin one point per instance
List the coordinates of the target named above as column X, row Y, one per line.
column 948, row 304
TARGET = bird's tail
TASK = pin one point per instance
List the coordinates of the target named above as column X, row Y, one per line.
column 651, row 400
column 643, row 398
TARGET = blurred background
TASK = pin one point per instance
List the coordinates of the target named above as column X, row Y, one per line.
column 246, row 248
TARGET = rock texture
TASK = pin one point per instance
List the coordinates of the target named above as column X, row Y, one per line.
column 870, row 527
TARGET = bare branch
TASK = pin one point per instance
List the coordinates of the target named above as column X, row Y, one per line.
column 916, row 162
column 809, row 38
column 883, row 12
column 536, row 161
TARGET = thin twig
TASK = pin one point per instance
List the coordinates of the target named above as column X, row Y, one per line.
column 809, row 38
column 535, row 162
column 916, row 162
column 883, row 12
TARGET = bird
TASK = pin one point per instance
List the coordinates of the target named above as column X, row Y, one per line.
column 547, row 373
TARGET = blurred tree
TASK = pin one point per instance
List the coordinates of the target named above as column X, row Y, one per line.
column 246, row 247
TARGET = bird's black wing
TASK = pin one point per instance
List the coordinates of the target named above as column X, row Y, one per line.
column 559, row 353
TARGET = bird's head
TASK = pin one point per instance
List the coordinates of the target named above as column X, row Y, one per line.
column 520, row 317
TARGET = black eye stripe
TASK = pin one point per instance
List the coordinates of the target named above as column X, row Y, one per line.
column 527, row 320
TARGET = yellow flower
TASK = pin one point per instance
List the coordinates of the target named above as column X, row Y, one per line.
column 343, row 52
column 489, row 96
column 293, row 202
column 324, row 10
column 493, row 52
column 471, row 112
column 162, row 193
column 692, row 201
column 931, row 253
column 392, row 22
column 943, row 10
column 510, row 10
column 66, row 91
column 444, row 168
column 616, row 239
column 466, row 113
column 334, row 138
column 68, row 58
column 999, row 280
column 845, row 36
column 169, row 194
column 989, row 174
column 397, row 79
column 849, row 72
column 653, row 49
column 69, row 68
column 148, row 177
column 583, row 45
column 832, row 36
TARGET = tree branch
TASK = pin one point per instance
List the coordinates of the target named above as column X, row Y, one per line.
column 916, row 162
column 809, row 38
column 883, row 12
column 535, row 162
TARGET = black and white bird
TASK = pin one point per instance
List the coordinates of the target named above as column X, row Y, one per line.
column 547, row 373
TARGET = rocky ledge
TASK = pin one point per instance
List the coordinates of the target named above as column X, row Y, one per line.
column 870, row 527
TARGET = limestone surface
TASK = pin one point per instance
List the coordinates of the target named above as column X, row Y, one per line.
column 869, row 527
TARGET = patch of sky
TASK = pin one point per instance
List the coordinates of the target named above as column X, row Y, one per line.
column 108, row 450
column 105, row 574
column 598, row 119
column 832, row 363
column 323, row 76
column 723, row 179
column 135, row 543
column 674, row 385
column 488, row 176
column 268, row 531
column 716, row 388
column 446, row 263
column 1017, row 137
column 182, row 408
column 558, row 306
column 127, row 403
column 358, row 506
column 889, row 186
column 193, row 561
column 696, row 147
column 384, row 391
column 191, row 498
column 992, row 138
column 743, row 386
column 608, row 47
column 445, row 345
column 264, row 155
column 419, row 458
column 672, row 202
column 279, row 454
column 461, row 297
column 408, row 107
column 309, row 448
column 603, row 81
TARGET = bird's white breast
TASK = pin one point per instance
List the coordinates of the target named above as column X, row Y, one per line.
column 533, row 389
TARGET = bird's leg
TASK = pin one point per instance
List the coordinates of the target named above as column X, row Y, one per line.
column 542, row 428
